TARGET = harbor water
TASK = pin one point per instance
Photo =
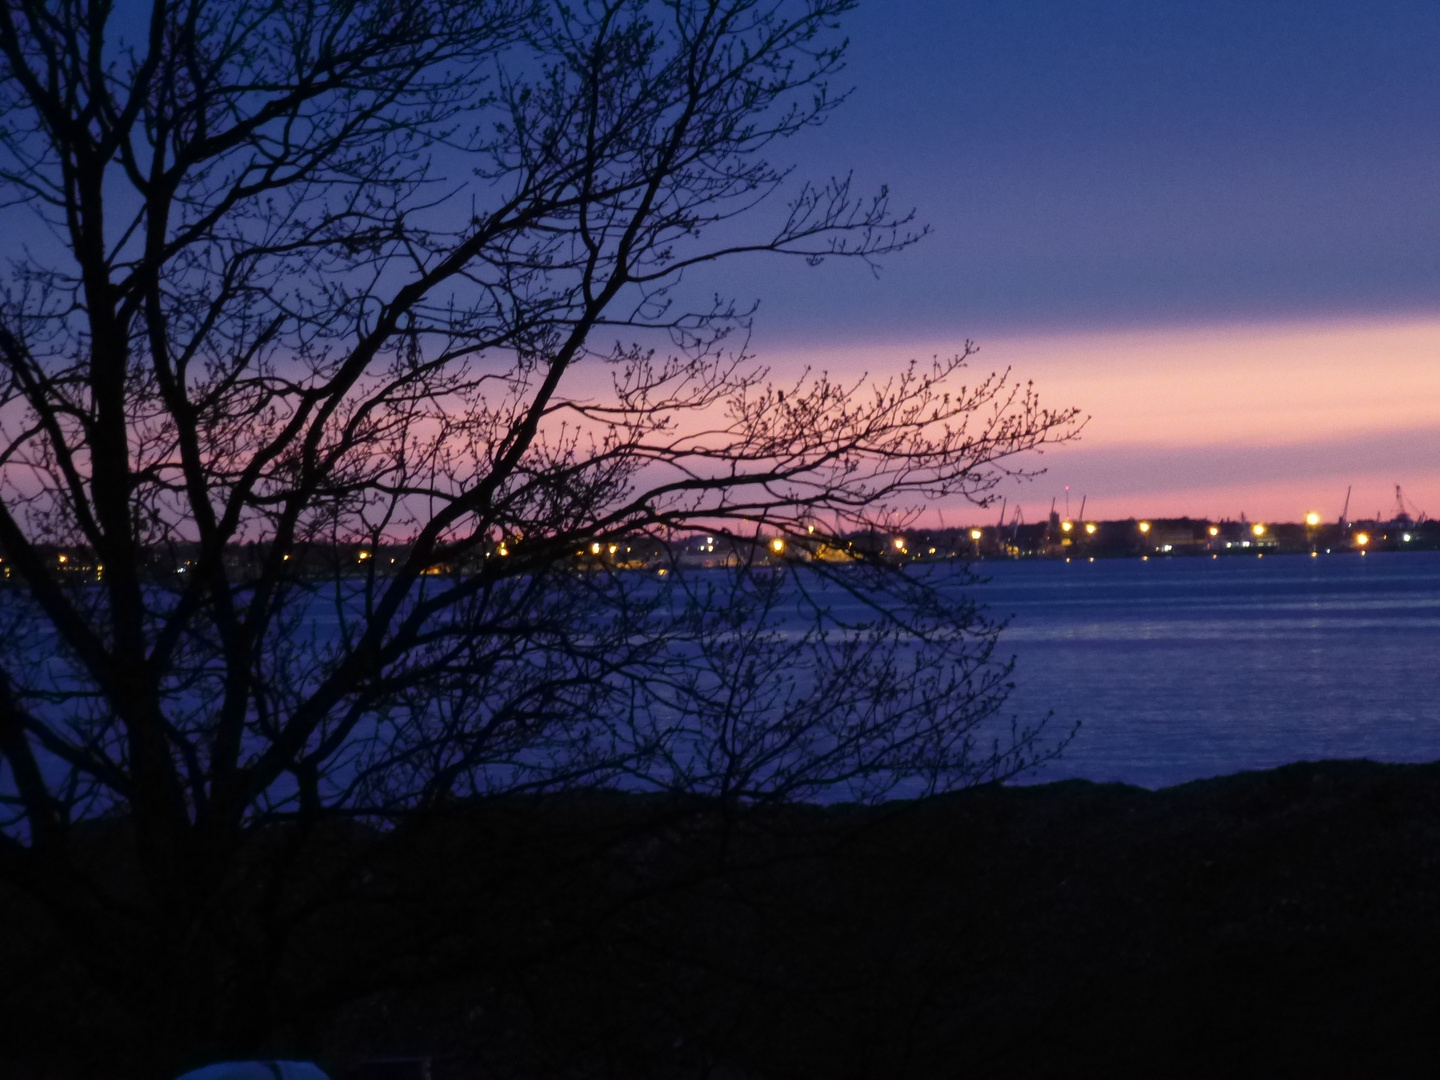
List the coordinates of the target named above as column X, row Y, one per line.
column 1183, row 668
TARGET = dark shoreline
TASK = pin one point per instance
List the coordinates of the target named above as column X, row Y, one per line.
column 1275, row 923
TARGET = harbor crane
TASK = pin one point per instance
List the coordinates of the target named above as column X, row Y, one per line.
column 1403, row 508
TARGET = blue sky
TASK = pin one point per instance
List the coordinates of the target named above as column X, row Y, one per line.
column 1212, row 225
column 1215, row 226
column 1114, row 162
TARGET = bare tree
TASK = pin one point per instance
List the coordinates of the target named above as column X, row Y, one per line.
column 342, row 341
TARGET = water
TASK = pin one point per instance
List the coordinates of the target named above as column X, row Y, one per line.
column 1185, row 668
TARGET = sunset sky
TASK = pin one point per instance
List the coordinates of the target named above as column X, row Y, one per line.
column 1214, row 227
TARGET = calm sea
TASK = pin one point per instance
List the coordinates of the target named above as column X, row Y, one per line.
column 1185, row 668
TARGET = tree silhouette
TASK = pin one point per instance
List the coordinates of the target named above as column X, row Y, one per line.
column 342, row 342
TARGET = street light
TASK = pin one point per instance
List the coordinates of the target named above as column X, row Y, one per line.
column 1312, row 519
column 777, row 545
column 1090, row 527
column 1144, row 526
column 1258, row 529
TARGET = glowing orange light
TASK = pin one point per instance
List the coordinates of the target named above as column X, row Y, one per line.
column 1144, row 526
column 975, row 534
column 777, row 545
column 1258, row 529
column 595, row 548
column 1214, row 530
column 1362, row 539
column 1312, row 519
column 1066, row 526
column 1090, row 527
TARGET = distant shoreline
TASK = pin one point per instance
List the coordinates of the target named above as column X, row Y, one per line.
column 1149, row 537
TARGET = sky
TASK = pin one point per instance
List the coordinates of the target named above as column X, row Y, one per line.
column 1214, row 227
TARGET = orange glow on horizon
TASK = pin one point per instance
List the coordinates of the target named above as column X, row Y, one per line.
column 1268, row 419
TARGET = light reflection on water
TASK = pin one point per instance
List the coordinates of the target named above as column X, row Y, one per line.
column 1185, row 668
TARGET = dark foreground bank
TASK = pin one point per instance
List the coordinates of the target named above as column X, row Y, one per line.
column 1282, row 923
